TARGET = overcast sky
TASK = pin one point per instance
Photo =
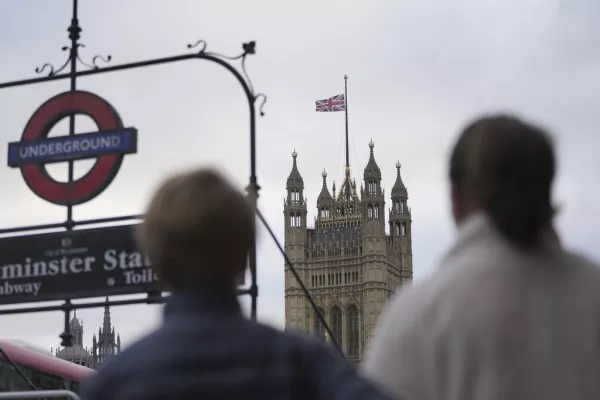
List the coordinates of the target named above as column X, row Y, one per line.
column 418, row 71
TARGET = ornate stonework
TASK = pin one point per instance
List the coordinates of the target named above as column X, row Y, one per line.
column 348, row 262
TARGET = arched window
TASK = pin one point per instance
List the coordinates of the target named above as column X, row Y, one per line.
column 292, row 220
column 370, row 211
column 319, row 327
column 336, row 323
column 372, row 187
column 295, row 194
column 403, row 229
column 353, row 332
column 376, row 211
column 397, row 229
column 397, row 202
column 351, row 209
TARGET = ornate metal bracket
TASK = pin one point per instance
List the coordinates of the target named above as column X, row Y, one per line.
column 73, row 55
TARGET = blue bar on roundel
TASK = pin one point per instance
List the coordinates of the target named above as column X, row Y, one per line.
column 76, row 147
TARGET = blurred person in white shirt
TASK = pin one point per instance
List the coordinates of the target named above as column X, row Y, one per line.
column 509, row 314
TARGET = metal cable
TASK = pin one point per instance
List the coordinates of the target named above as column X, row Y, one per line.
column 304, row 289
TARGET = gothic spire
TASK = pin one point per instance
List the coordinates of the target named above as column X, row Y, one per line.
column 106, row 324
column 324, row 196
column 372, row 171
column 74, row 324
column 295, row 179
column 399, row 189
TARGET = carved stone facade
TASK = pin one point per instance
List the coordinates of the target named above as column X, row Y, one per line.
column 105, row 346
column 349, row 263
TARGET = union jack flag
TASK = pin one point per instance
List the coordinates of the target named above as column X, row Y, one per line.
column 332, row 104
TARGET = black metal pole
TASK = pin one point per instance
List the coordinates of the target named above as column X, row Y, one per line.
column 253, row 189
column 346, row 108
column 74, row 34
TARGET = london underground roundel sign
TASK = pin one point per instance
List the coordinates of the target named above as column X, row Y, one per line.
column 108, row 146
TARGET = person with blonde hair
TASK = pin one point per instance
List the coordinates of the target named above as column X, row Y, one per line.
column 198, row 232
column 509, row 313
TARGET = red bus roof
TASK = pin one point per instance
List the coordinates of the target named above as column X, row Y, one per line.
column 46, row 363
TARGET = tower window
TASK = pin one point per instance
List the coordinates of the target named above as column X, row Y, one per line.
column 295, row 194
column 296, row 220
column 397, row 229
column 372, row 187
column 403, row 229
column 353, row 338
column 370, row 211
column 319, row 327
column 336, row 323
column 376, row 211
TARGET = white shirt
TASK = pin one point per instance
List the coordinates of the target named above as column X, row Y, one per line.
column 493, row 323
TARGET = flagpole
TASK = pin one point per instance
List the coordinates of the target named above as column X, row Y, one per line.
column 346, row 107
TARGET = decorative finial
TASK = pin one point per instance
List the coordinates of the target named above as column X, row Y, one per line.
column 345, row 76
column 324, row 174
column 294, row 154
column 371, row 144
column 398, row 165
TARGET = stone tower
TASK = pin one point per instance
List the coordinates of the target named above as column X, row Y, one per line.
column 400, row 228
column 348, row 262
column 107, row 344
column 295, row 212
column 76, row 353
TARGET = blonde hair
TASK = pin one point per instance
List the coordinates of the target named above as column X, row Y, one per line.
column 198, row 230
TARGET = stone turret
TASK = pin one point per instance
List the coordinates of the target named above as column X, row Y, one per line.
column 400, row 221
column 295, row 228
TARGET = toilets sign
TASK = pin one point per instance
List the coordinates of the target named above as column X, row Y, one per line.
column 108, row 146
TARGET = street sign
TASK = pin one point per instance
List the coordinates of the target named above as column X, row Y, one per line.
column 73, row 264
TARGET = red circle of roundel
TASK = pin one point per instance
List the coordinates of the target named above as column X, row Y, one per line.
column 104, row 170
